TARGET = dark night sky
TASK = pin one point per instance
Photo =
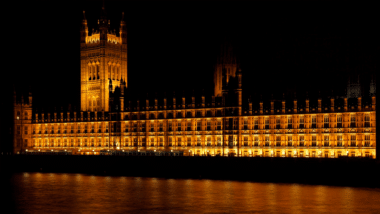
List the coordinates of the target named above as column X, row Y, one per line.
column 282, row 46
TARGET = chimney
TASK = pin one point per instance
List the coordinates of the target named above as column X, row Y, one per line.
column 345, row 104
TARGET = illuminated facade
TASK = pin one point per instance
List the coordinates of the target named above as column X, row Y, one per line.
column 103, row 59
column 223, row 126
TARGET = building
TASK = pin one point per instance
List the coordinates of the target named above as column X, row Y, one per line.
column 219, row 125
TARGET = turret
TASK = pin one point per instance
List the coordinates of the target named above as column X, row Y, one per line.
column 174, row 101
column 359, row 103
column 283, row 104
column 193, row 100
column 83, row 30
column 147, row 102
column 261, row 106
column 104, row 25
column 30, row 98
column 239, row 90
column 165, row 101
column 250, row 106
column 373, row 103
column 332, row 104
column 155, row 102
column 295, row 104
column 272, row 105
column 203, row 99
column 345, row 104
column 307, row 106
column 183, row 100
column 319, row 103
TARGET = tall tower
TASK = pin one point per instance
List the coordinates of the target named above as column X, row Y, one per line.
column 103, row 58
column 226, row 67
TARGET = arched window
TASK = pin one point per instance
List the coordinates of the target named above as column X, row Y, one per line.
column 97, row 71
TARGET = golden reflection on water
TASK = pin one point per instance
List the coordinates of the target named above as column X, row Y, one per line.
column 78, row 193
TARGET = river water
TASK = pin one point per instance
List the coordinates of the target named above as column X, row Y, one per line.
column 80, row 193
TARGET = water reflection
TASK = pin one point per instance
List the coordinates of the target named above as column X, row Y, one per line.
column 53, row 192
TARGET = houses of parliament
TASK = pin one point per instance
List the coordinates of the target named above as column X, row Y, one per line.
column 109, row 120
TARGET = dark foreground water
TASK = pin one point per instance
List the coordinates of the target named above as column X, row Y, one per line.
column 79, row 193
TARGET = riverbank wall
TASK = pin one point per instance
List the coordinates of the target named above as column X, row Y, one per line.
column 317, row 171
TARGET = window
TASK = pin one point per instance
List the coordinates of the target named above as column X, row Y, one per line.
column 302, row 122
column 161, row 141
column 326, row 121
column 142, row 127
column 326, row 141
column 126, row 127
column 353, row 120
column 313, row 140
column 266, row 122
column 366, row 120
column 290, row 141
column 198, row 125
column 219, row 141
column 18, row 130
column 26, row 115
column 235, row 123
column 92, row 128
column 72, row 128
column 26, row 130
column 353, row 140
column 188, row 114
column 278, row 123
column 189, row 141
column 290, row 122
column 161, row 126
column 219, row 125
column 143, row 141
column 245, row 141
column 198, row 141
column 278, row 140
column 170, row 141
column 256, row 138
column 339, row 121
column 256, row 123
column 152, row 142
column 266, row 140
column 208, row 125
column 179, row 124
column 245, row 123
column 302, row 140
column 18, row 116
column 339, row 140
column 208, row 141
column 367, row 140
column 313, row 121
column 151, row 126
column 170, row 125
column 107, row 128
